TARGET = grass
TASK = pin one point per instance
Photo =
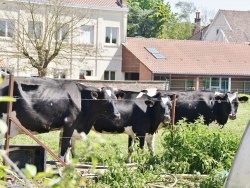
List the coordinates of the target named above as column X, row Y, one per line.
column 109, row 145
column 111, row 150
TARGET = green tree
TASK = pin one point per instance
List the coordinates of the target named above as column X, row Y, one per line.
column 148, row 18
column 182, row 27
column 186, row 9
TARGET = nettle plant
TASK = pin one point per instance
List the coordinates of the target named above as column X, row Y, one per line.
column 193, row 148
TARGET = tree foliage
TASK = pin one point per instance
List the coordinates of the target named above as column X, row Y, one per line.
column 186, row 9
column 148, row 18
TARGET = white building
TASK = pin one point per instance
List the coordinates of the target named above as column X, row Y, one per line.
column 229, row 26
column 98, row 38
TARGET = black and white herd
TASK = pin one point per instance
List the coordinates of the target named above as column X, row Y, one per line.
column 45, row 104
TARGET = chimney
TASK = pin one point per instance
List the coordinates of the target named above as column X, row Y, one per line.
column 197, row 23
column 122, row 3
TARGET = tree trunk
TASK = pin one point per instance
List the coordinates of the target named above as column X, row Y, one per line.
column 42, row 72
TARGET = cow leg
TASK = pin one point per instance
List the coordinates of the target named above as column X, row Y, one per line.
column 66, row 157
column 73, row 153
column 150, row 142
column 75, row 136
column 130, row 149
column 65, row 143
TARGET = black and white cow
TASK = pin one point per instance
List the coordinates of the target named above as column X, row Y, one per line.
column 141, row 116
column 44, row 104
column 213, row 106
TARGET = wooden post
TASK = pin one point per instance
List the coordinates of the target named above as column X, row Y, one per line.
column 14, row 120
column 8, row 121
column 173, row 112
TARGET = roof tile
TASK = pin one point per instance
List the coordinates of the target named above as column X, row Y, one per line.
column 101, row 3
column 192, row 57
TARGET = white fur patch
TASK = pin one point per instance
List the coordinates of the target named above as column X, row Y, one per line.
column 151, row 91
column 139, row 95
column 109, row 92
column 161, row 125
column 216, row 93
column 231, row 98
column 165, row 100
column 129, row 131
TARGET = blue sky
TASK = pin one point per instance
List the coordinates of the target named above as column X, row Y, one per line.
column 211, row 7
column 215, row 5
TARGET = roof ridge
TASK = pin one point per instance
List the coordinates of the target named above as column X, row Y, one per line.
column 190, row 41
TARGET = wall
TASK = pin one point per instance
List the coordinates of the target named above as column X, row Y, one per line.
column 106, row 57
column 129, row 62
column 126, row 85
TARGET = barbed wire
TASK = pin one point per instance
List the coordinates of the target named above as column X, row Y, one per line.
column 134, row 99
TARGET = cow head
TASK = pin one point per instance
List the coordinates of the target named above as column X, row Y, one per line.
column 108, row 99
column 234, row 103
column 160, row 106
column 226, row 106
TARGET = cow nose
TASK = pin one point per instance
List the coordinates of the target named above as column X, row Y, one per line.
column 167, row 118
column 232, row 116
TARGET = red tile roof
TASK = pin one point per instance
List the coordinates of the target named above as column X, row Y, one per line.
column 100, row 3
column 192, row 57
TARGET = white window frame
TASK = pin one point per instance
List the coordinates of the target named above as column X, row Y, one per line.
column 84, row 73
column 60, row 73
column 111, row 34
column 87, row 34
column 110, row 75
column 61, row 31
column 7, row 27
column 38, row 29
column 219, row 86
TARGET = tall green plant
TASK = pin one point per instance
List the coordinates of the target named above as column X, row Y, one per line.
column 198, row 148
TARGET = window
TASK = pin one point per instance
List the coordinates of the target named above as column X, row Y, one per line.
column 189, row 84
column 84, row 73
column 206, row 83
column 215, row 83
column 35, row 29
column 218, row 84
column 109, row 75
column 59, row 73
column 111, row 35
column 155, row 53
column 131, row 76
column 224, row 84
column 87, row 34
column 6, row 28
column 62, row 32
column 160, row 77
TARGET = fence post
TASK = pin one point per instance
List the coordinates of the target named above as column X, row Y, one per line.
column 8, row 121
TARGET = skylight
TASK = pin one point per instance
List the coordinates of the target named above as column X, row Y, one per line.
column 155, row 53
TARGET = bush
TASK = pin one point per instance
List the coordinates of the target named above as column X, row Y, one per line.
column 193, row 148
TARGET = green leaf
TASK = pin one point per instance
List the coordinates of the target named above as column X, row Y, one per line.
column 3, row 127
column 31, row 169
column 7, row 99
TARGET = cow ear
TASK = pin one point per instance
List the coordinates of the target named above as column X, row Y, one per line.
column 149, row 103
column 243, row 99
column 94, row 95
column 120, row 95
